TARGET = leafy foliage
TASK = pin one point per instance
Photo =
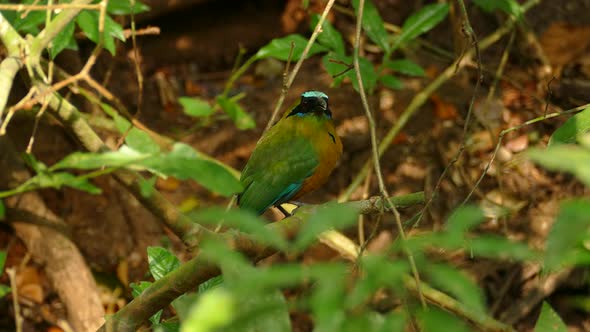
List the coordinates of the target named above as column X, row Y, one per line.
column 161, row 262
column 574, row 127
column 236, row 112
column 565, row 242
column 4, row 289
column 549, row 321
column 421, row 22
column 195, row 107
column 373, row 25
column 511, row 7
column 87, row 21
column 280, row 48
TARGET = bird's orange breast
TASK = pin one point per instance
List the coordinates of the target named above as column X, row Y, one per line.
column 329, row 149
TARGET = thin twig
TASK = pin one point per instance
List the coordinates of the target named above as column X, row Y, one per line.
column 420, row 98
column 18, row 319
column 36, row 126
column 136, row 60
column 508, row 130
column 24, row 7
column 470, row 34
column 310, row 42
column 375, row 152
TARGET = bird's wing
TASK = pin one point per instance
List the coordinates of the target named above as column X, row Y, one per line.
column 275, row 172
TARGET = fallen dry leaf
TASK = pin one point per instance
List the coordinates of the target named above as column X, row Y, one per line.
column 442, row 109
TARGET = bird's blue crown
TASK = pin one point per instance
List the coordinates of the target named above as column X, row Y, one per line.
column 314, row 94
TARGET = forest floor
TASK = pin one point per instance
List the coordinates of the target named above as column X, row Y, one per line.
column 519, row 198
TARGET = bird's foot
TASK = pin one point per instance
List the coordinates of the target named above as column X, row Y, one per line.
column 285, row 213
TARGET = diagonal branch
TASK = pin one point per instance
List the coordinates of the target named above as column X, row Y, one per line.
column 11, row 64
column 197, row 270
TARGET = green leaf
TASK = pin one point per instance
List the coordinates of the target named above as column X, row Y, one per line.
column 169, row 326
column 420, row 22
column 183, row 304
column 213, row 310
column 195, row 107
column 510, row 7
column 452, row 280
column 463, row 219
column 137, row 289
column 568, row 232
column 260, row 311
column 368, row 75
column 89, row 160
column 123, row 7
column 4, row 290
column 334, row 68
column 183, row 162
column 279, row 48
column 405, row 66
column 244, row 221
column 325, row 217
column 2, row 260
column 394, row 322
column 146, row 186
column 88, row 22
column 572, row 128
column 567, row 158
column 379, row 272
column 373, row 24
column 64, row 39
column 328, row 298
column 242, row 119
column 161, row 262
column 30, row 24
column 2, row 213
column 57, row 180
column 33, row 163
column 329, row 36
column 135, row 138
column 233, row 264
column 211, row 283
column 499, row 247
column 391, row 82
column 141, row 141
column 275, row 276
column 549, row 320
column 432, row 319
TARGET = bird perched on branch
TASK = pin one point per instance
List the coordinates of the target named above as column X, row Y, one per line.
column 294, row 157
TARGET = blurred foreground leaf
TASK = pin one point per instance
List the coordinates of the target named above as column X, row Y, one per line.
column 549, row 321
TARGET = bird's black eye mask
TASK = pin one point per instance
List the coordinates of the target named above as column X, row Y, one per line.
column 312, row 106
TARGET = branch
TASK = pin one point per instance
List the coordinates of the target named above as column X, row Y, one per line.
column 11, row 64
column 197, row 270
column 56, row 25
column 180, row 225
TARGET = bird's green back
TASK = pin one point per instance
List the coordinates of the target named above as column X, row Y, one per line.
column 277, row 168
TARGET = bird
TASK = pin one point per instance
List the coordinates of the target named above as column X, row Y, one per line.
column 294, row 157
